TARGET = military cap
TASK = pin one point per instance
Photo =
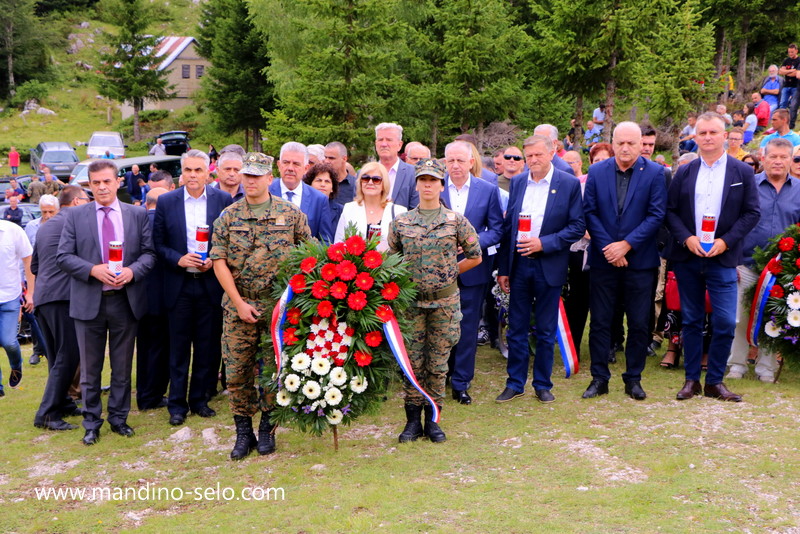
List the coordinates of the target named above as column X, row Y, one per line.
column 257, row 164
column 431, row 167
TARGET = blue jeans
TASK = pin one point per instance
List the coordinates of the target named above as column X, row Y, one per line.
column 695, row 276
column 9, row 323
column 786, row 96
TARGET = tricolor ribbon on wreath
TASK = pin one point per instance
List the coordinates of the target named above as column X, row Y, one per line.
column 565, row 343
column 763, row 288
column 391, row 329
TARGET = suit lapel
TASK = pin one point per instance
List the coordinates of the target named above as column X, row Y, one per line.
column 612, row 183
column 691, row 185
column 94, row 230
column 551, row 195
column 472, row 196
column 729, row 170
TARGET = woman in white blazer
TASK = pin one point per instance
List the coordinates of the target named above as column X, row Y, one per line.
column 371, row 204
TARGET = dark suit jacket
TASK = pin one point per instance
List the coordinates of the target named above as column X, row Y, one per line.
column 405, row 186
column 739, row 213
column 316, row 207
column 562, row 225
column 169, row 237
column 642, row 213
column 485, row 214
column 155, row 279
column 562, row 165
column 52, row 284
column 79, row 251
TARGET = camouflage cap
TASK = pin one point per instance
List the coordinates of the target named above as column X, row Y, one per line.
column 257, row 164
column 431, row 167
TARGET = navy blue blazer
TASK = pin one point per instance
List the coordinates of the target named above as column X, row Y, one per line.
column 562, row 165
column 405, row 186
column 739, row 214
column 485, row 214
column 316, row 207
column 642, row 212
column 169, row 237
column 155, row 279
column 562, row 225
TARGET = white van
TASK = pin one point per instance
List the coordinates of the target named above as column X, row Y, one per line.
column 102, row 141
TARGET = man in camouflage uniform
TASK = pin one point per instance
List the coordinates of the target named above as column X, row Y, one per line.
column 430, row 238
column 35, row 189
column 52, row 185
column 251, row 237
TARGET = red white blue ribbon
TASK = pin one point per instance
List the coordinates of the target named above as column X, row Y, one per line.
column 567, row 347
column 276, row 326
column 763, row 288
column 394, row 338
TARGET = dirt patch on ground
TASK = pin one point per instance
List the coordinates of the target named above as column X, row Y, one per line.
column 49, row 468
column 611, row 468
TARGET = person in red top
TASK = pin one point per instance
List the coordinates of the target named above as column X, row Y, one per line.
column 13, row 161
column 762, row 111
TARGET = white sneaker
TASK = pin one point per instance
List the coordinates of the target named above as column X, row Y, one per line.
column 766, row 378
column 735, row 374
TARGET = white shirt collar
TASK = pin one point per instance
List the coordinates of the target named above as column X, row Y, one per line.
column 546, row 179
column 466, row 185
column 187, row 196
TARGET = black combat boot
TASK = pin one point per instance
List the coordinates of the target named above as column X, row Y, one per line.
column 413, row 429
column 245, row 439
column 432, row 430
column 266, row 438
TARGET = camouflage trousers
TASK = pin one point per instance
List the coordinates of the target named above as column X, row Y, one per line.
column 434, row 332
column 240, row 352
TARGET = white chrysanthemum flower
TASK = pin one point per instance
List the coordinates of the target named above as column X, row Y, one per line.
column 323, row 404
column 283, row 398
column 301, row 361
column 311, row 390
column 291, row 382
column 793, row 300
column 335, row 347
column 333, row 396
column 341, row 328
column 314, row 405
column 310, row 343
column 772, row 329
column 314, row 328
column 323, row 324
column 321, row 366
column 793, row 318
column 358, row 384
column 347, row 340
column 335, row 417
column 338, row 376
column 329, row 336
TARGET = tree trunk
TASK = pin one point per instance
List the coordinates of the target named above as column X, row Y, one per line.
column 720, row 55
column 247, row 140
column 611, row 95
column 137, row 105
column 578, row 139
column 9, row 42
column 434, row 135
column 741, row 71
column 479, row 135
column 256, row 140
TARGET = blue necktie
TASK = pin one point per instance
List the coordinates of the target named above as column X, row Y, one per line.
column 290, row 196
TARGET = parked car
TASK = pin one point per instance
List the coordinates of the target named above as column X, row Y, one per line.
column 171, row 164
column 29, row 212
column 176, row 142
column 59, row 156
column 102, row 141
column 5, row 182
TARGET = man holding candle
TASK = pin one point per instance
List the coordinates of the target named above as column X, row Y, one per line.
column 181, row 233
column 105, row 305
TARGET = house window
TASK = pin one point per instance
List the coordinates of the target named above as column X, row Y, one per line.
column 186, row 71
column 198, row 71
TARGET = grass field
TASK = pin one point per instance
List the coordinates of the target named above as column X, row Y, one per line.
column 604, row 465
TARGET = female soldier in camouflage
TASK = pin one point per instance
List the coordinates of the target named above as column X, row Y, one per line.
column 430, row 237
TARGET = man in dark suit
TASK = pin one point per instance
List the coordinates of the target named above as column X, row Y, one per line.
column 132, row 178
column 388, row 142
column 52, row 310
column 533, row 265
column 624, row 203
column 104, row 304
column 722, row 187
column 152, row 337
column 192, row 295
column 293, row 164
column 479, row 202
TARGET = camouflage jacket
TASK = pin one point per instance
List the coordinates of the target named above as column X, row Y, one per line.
column 431, row 250
column 253, row 247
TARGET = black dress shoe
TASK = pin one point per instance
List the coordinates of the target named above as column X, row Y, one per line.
column 612, row 356
column 462, row 397
column 204, row 411
column 545, row 396
column 176, row 419
column 508, row 394
column 91, row 437
column 596, row 387
column 72, row 412
column 634, row 390
column 58, row 425
column 719, row 391
column 690, row 389
column 123, row 430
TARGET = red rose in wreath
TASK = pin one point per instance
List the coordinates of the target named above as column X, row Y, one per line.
column 373, row 339
column 324, row 308
column 786, row 244
column 298, row 283
column 339, row 290
column 289, row 336
column 320, row 289
column 336, row 252
column 308, row 264
column 390, row 291
column 328, row 272
column 355, row 245
column 362, row 358
column 346, row 270
column 777, row 291
column 373, row 259
column 357, row 300
column 364, row 281
column 294, row 315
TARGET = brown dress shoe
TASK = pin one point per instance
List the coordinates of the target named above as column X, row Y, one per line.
column 719, row 391
column 690, row 389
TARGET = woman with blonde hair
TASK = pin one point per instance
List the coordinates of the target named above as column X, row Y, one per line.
column 371, row 206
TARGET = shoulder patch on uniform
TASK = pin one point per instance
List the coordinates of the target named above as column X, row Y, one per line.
column 451, row 216
column 471, row 239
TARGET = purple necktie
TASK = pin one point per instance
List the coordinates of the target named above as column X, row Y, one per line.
column 108, row 232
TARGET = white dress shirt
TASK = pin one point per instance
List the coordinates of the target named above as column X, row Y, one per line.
column 458, row 197
column 14, row 246
column 535, row 200
column 708, row 190
column 195, row 210
column 392, row 177
column 298, row 193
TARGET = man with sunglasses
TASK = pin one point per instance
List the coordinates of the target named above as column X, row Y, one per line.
column 779, row 199
column 513, row 164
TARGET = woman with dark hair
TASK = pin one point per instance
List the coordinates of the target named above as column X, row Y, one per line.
column 750, row 122
column 322, row 177
column 752, row 160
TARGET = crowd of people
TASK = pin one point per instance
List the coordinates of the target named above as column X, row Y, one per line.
column 186, row 279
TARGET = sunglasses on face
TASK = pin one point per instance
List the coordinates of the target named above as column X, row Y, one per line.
column 373, row 179
column 752, row 163
column 515, row 158
column 796, row 159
